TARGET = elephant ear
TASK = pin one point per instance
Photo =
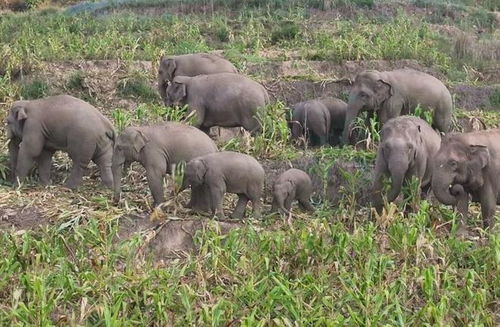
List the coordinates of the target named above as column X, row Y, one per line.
column 20, row 113
column 178, row 91
column 139, row 141
column 383, row 90
column 479, row 156
column 170, row 66
column 201, row 170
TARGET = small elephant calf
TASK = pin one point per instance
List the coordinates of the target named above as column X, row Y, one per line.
column 293, row 184
column 227, row 171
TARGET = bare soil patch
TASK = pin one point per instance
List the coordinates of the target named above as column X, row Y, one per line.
column 22, row 218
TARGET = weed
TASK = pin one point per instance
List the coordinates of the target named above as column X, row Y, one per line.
column 76, row 81
column 35, row 89
column 139, row 88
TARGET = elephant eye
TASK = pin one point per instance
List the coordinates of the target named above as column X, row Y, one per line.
column 453, row 164
column 363, row 95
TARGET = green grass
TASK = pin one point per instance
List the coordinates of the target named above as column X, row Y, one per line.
column 341, row 266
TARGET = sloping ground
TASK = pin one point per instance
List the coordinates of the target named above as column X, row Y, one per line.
column 288, row 81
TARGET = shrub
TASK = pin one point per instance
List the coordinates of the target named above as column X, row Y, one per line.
column 35, row 89
column 287, row 30
column 137, row 87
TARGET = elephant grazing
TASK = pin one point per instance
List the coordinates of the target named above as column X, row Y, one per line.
column 190, row 65
column 393, row 93
column 224, row 100
column 38, row 128
column 311, row 119
column 293, row 184
column 157, row 148
column 406, row 149
column 231, row 172
column 469, row 164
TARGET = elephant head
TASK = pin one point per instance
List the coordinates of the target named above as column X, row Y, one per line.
column 128, row 146
column 195, row 172
column 458, row 166
column 369, row 91
column 176, row 92
column 16, row 119
column 281, row 192
column 166, row 73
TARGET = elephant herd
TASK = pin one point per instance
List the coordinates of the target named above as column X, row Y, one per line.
column 459, row 167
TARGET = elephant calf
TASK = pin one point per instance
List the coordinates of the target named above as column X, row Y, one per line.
column 190, row 65
column 157, row 148
column 406, row 149
column 38, row 128
column 231, row 172
column 225, row 100
column 293, row 184
column 338, row 110
column 311, row 119
column 469, row 164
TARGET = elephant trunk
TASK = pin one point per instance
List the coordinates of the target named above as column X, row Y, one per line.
column 162, row 89
column 117, row 168
column 398, row 170
column 441, row 186
column 353, row 108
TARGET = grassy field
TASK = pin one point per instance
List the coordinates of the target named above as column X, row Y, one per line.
column 73, row 258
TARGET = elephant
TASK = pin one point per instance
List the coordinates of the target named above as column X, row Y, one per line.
column 406, row 149
column 190, row 65
column 398, row 92
column 293, row 184
column 311, row 119
column 157, row 148
column 225, row 100
column 337, row 109
column 38, row 128
column 469, row 163
column 231, row 172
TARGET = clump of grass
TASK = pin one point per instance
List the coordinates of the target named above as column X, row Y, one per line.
column 76, row 81
column 137, row 87
column 35, row 89
column 286, row 30
column 495, row 98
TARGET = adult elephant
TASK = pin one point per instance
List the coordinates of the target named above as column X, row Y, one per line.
column 225, row 100
column 38, row 128
column 406, row 149
column 157, row 148
column 469, row 164
column 311, row 119
column 190, row 65
column 394, row 93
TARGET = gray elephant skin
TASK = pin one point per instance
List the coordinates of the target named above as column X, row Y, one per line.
column 38, row 128
column 407, row 147
column 190, row 65
column 157, row 148
column 338, row 110
column 293, row 184
column 394, row 93
column 225, row 100
column 311, row 120
column 470, row 163
column 231, row 172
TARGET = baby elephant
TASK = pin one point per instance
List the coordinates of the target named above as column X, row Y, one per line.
column 311, row 119
column 406, row 149
column 38, row 128
column 293, row 184
column 231, row 172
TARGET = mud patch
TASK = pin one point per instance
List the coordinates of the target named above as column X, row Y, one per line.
column 21, row 218
column 170, row 239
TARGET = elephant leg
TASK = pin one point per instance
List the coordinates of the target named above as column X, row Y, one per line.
column 77, row 173
column 80, row 151
column 154, row 174
column 305, row 204
column 288, row 204
column 104, row 163
column 239, row 210
column 200, row 199
column 488, row 205
column 217, row 197
column 44, row 165
column 442, row 120
column 257, row 207
column 13, row 153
